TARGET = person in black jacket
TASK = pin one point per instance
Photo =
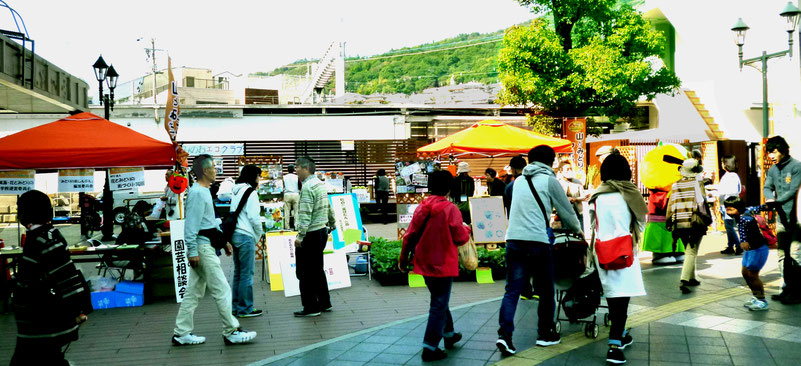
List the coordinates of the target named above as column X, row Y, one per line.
column 51, row 297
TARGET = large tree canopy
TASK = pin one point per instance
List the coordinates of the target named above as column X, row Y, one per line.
column 584, row 57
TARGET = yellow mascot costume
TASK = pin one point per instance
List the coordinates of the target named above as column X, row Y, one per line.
column 659, row 170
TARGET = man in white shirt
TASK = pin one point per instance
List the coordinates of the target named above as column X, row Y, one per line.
column 291, row 196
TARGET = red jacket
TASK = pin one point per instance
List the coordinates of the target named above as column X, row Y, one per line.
column 436, row 254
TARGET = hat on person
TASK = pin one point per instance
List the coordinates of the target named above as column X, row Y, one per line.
column 463, row 168
column 687, row 168
column 606, row 150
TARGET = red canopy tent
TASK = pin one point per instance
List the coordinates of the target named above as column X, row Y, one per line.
column 492, row 138
column 83, row 140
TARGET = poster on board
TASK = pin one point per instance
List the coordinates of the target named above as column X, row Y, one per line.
column 17, row 181
column 489, row 219
column 281, row 259
column 180, row 263
column 347, row 220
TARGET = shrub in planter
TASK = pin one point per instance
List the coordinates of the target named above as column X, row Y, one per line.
column 495, row 260
column 384, row 254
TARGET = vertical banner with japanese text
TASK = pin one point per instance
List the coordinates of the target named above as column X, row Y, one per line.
column 180, row 262
column 172, row 115
column 76, row 180
column 17, row 181
column 575, row 130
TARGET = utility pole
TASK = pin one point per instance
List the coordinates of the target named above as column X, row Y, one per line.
column 153, row 54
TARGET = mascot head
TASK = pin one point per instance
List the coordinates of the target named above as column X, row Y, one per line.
column 660, row 166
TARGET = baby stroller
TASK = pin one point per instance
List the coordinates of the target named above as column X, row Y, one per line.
column 578, row 287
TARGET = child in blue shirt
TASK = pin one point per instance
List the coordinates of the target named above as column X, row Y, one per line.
column 755, row 247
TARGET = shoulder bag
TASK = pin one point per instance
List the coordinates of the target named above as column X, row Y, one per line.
column 615, row 253
column 545, row 216
column 229, row 221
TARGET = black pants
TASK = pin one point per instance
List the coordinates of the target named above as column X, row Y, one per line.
column 310, row 272
column 382, row 199
column 38, row 352
column 618, row 313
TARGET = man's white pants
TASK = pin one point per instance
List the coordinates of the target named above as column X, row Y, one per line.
column 208, row 274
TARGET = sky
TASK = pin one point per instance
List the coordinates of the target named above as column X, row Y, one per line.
column 241, row 36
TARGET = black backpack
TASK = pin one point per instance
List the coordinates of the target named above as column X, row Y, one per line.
column 229, row 221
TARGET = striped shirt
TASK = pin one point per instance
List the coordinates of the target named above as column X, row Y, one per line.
column 683, row 202
column 50, row 291
column 314, row 210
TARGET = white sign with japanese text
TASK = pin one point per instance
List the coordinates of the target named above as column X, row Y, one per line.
column 215, row 149
column 335, row 266
column 126, row 178
column 180, row 261
column 76, row 180
column 17, row 181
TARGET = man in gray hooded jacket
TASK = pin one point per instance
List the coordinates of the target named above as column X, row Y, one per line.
column 528, row 248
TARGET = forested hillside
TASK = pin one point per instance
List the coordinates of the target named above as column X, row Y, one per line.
column 467, row 57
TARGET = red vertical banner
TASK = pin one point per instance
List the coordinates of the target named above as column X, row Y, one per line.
column 575, row 130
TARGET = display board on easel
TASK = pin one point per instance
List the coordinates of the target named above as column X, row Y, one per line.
column 488, row 219
column 272, row 183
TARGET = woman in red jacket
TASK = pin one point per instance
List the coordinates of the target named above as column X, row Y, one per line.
column 438, row 229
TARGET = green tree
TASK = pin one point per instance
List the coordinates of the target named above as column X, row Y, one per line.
column 585, row 57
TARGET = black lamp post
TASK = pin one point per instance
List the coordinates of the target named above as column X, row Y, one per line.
column 790, row 13
column 107, row 73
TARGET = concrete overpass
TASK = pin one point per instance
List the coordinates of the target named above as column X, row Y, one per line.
column 31, row 84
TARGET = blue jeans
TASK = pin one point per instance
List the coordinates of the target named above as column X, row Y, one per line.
column 524, row 259
column 440, row 321
column 244, row 264
column 731, row 229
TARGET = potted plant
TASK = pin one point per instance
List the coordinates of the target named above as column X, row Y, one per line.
column 384, row 254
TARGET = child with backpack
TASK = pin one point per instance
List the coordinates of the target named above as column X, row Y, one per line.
column 755, row 246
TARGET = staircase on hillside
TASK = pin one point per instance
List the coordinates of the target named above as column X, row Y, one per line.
column 331, row 62
column 714, row 128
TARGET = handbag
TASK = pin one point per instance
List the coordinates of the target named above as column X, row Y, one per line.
column 615, row 253
column 468, row 255
column 229, row 221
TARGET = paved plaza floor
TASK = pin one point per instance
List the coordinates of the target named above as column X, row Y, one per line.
column 375, row 325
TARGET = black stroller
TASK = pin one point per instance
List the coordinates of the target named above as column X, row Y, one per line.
column 578, row 287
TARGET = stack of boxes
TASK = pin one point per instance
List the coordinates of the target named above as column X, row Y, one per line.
column 125, row 294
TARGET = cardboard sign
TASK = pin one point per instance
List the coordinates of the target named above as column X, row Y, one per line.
column 279, row 245
column 489, row 219
column 76, row 180
column 281, row 260
column 180, row 262
column 126, row 178
column 17, row 181
column 347, row 218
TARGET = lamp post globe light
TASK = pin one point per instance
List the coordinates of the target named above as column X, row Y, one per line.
column 791, row 14
column 104, row 72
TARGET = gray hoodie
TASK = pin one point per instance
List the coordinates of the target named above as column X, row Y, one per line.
column 525, row 217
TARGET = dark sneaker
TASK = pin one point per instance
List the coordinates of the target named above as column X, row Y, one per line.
column 684, row 289
column 778, row 297
column 549, row 339
column 328, row 309
column 450, row 341
column 626, row 341
column 738, row 251
column 254, row 313
column 303, row 313
column 615, row 355
column 728, row 250
column 505, row 346
column 692, row 282
column 435, row 355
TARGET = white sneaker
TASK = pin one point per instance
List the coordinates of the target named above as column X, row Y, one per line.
column 664, row 260
column 758, row 305
column 188, row 339
column 751, row 301
column 239, row 336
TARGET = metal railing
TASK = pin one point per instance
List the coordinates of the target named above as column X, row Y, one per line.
column 190, row 82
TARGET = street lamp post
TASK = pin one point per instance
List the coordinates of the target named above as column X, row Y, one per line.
column 107, row 73
column 790, row 13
